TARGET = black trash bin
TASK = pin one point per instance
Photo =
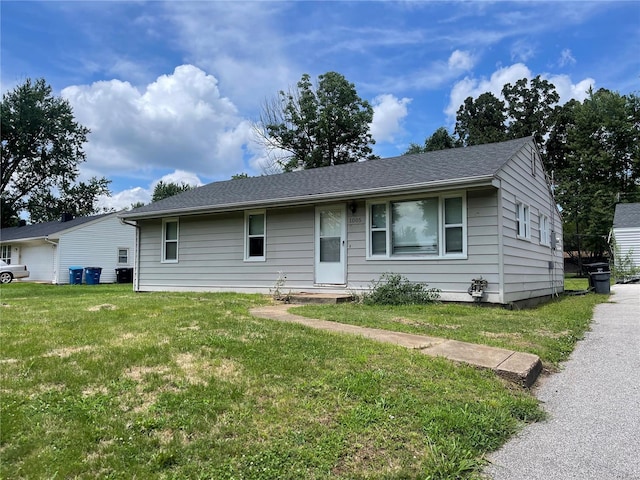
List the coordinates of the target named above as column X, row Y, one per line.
column 92, row 275
column 75, row 275
column 599, row 277
column 124, row 275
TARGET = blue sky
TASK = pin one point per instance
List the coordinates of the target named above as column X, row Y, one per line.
column 170, row 90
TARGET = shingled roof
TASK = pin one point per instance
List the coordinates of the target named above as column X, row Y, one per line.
column 46, row 229
column 627, row 215
column 461, row 166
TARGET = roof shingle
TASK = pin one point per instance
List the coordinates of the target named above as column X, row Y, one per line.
column 396, row 173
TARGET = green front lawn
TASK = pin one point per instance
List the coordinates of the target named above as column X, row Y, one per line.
column 100, row 382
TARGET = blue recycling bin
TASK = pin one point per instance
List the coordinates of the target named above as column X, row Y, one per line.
column 75, row 275
column 92, row 275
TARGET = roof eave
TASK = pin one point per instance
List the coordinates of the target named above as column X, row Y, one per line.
column 467, row 182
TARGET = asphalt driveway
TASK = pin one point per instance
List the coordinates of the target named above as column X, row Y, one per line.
column 593, row 429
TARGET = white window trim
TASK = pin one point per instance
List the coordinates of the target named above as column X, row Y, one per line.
column 523, row 210
column 545, row 233
column 118, row 255
column 5, row 254
column 164, row 241
column 441, row 229
column 247, row 258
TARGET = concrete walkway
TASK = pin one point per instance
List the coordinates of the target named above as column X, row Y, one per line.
column 522, row 368
column 593, row 429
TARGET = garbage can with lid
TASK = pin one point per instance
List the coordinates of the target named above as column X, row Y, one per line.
column 599, row 277
column 75, row 275
column 601, row 281
column 92, row 275
column 124, row 275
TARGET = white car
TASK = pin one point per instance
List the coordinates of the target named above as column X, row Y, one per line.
column 9, row 272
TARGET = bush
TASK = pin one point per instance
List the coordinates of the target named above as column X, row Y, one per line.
column 395, row 289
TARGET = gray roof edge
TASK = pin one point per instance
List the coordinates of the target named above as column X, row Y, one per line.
column 485, row 180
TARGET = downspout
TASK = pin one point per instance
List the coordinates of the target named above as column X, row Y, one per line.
column 54, row 280
column 500, row 235
column 136, row 257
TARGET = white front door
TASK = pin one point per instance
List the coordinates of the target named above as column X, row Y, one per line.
column 330, row 244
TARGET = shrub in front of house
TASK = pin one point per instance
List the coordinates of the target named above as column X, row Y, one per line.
column 396, row 289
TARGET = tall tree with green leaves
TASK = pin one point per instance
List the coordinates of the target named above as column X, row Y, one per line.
column 79, row 200
column 317, row 125
column 169, row 189
column 600, row 166
column 530, row 108
column 481, row 120
column 41, row 147
column 441, row 139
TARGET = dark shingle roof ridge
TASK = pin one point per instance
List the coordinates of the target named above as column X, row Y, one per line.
column 403, row 170
column 627, row 215
column 44, row 229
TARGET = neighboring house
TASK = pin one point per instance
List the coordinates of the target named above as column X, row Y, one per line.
column 626, row 231
column 49, row 249
column 443, row 218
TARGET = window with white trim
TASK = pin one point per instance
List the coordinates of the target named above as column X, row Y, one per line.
column 425, row 227
column 523, row 221
column 123, row 256
column 5, row 253
column 255, row 236
column 170, row 231
column 545, row 233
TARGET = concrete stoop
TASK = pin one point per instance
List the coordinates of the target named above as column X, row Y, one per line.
column 517, row 367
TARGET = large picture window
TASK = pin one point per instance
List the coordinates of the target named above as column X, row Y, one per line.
column 255, row 238
column 170, row 241
column 428, row 227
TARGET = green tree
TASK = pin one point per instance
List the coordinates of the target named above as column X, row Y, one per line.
column 316, row 126
column 601, row 166
column 530, row 108
column 41, row 147
column 439, row 140
column 169, row 189
column 481, row 120
column 78, row 200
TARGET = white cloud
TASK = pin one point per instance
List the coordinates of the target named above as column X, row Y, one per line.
column 473, row 87
column 388, row 113
column 522, row 50
column 461, row 60
column 566, row 58
column 180, row 119
column 126, row 198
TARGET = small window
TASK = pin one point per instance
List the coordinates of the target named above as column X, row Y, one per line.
column 170, row 241
column 545, row 234
column 5, row 253
column 255, row 227
column 523, row 221
column 379, row 229
column 123, row 256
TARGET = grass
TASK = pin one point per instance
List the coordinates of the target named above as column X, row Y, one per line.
column 549, row 331
column 100, row 382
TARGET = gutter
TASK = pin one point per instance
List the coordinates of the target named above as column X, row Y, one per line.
column 314, row 198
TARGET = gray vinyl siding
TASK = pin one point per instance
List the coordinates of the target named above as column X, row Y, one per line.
column 526, row 262
column 452, row 276
column 211, row 252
